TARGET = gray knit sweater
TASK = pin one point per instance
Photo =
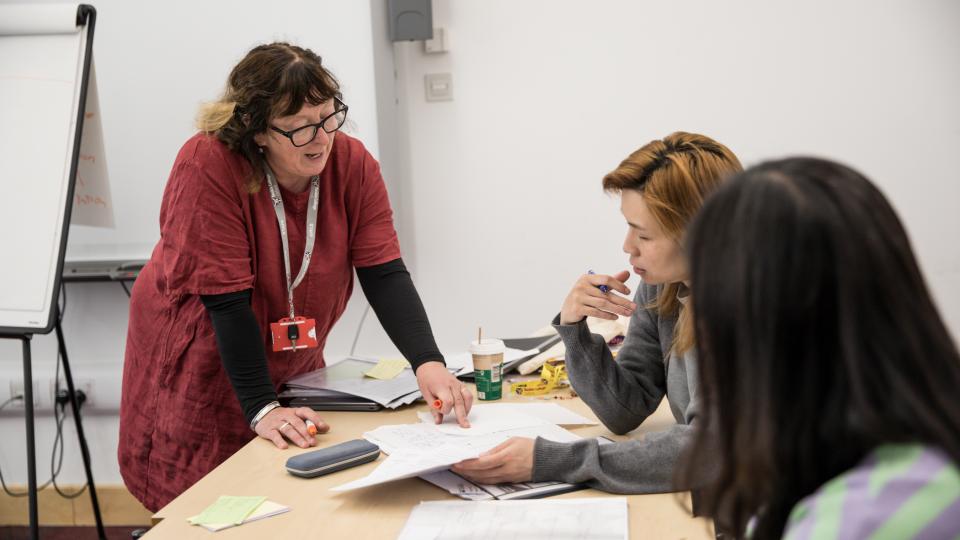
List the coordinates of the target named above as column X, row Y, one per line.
column 623, row 393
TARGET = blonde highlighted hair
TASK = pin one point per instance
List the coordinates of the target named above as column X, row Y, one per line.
column 674, row 175
column 214, row 115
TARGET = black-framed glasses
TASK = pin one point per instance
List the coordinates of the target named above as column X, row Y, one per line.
column 304, row 135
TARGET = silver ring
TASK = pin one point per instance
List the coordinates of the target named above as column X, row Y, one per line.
column 283, row 425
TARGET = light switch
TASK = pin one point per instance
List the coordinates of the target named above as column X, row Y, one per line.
column 439, row 86
column 437, row 44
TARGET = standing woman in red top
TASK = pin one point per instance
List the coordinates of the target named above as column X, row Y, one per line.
column 267, row 212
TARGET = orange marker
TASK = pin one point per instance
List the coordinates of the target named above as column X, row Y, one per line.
column 437, row 404
column 311, row 428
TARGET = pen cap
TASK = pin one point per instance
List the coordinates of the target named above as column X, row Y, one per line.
column 487, row 347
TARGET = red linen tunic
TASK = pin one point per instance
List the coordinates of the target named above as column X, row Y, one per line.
column 179, row 416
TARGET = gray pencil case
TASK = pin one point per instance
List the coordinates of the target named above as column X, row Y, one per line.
column 333, row 458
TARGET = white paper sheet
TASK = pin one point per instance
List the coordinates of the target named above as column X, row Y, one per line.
column 23, row 19
column 404, row 400
column 484, row 420
column 409, row 463
column 465, row 489
column 416, row 449
column 545, row 519
column 424, row 437
column 457, row 485
column 92, row 203
column 393, row 438
column 551, row 412
column 547, row 412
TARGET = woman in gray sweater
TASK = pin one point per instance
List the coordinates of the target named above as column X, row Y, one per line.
column 661, row 185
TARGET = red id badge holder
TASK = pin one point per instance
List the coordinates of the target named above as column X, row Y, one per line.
column 292, row 334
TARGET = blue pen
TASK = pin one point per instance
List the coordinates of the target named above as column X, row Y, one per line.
column 603, row 288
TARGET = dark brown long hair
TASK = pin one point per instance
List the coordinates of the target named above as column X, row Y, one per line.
column 272, row 80
column 817, row 339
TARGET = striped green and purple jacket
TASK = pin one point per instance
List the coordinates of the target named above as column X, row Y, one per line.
column 898, row 491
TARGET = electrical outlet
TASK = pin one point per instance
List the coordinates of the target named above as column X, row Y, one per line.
column 80, row 385
column 16, row 389
column 439, row 86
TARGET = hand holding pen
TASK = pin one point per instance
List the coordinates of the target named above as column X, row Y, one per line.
column 445, row 394
column 595, row 295
column 603, row 288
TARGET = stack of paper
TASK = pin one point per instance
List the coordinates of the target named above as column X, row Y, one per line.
column 424, row 448
column 347, row 377
column 390, row 383
column 580, row 519
column 407, row 464
column 229, row 511
column 549, row 413
column 455, row 484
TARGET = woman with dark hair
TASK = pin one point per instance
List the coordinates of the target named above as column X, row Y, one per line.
column 661, row 187
column 828, row 381
column 267, row 213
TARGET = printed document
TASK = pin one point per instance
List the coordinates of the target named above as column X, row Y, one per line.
column 416, row 449
column 565, row 519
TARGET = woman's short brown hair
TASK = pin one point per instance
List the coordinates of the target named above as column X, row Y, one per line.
column 272, row 80
column 674, row 175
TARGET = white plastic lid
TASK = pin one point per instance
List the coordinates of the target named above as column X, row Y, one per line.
column 487, row 346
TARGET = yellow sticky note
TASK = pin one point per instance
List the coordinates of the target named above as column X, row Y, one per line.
column 228, row 509
column 265, row 510
column 387, row 368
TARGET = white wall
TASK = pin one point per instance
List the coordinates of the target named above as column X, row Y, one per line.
column 503, row 183
column 157, row 62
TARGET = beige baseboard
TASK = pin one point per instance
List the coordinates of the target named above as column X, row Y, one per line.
column 117, row 506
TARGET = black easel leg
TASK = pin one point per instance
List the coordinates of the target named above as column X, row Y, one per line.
column 83, row 440
column 31, row 443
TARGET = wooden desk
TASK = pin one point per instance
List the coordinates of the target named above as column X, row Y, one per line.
column 380, row 511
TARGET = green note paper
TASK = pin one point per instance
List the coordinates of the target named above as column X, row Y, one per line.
column 228, row 509
column 387, row 368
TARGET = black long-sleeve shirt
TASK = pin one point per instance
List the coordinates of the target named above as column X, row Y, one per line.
column 389, row 290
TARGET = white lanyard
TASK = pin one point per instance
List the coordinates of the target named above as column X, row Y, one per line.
column 282, row 221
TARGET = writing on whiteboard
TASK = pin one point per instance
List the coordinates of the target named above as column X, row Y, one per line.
column 84, row 199
column 91, row 193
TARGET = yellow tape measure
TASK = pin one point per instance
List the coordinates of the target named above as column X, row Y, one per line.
column 551, row 377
